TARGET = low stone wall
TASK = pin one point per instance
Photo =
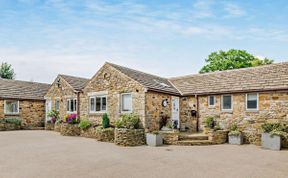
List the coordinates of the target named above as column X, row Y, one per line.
column 105, row 135
column 89, row 133
column 49, row 126
column 252, row 138
column 57, row 127
column 219, row 136
column 169, row 137
column 9, row 126
column 69, row 129
column 129, row 137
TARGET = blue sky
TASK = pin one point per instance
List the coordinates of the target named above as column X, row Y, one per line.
column 42, row 38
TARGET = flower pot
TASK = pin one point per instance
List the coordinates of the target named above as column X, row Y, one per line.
column 236, row 139
column 154, row 139
column 271, row 142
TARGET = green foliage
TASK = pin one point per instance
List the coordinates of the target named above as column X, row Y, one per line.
column 234, row 127
column 209, row 122
column 169, row 125
column 232, row 59
column 54, row 114
column 13, row 121
column 84, row 124
column 217, row 127
column 128, row 121
column 279, row 133
column 234, row 133
column 6, row 71
column 105, row 121
column 269, row 127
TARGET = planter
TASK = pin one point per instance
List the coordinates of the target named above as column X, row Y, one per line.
column 129, row 137
column 271, row 142
column 88, row 133
column 69, row 129
column 105, row 135
column 154, row 139
column 49, row 126
column 236, row 139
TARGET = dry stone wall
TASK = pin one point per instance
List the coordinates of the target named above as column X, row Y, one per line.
column 130, row 137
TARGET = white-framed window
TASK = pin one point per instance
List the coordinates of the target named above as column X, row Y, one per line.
column 252, row 101
column 57, row 105
column 11, row 107
column 98, row 104
column 71, row 105
column 211, row 101
column 126, row 102
column 227, row 103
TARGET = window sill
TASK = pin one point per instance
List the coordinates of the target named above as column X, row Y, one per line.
column 227, row 111
column 97, row 113
column 211, row 107
column 253, row 111
column 126, row 112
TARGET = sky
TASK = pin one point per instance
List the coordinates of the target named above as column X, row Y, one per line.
column 42, row 38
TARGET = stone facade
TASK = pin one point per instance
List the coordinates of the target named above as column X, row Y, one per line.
column 113, row 83
column 62, row 92
column 187, row 121
column 31, row 113
column 155, row 110
column 70, row 129
column 272, row 108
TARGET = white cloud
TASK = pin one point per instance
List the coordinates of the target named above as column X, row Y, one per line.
column 234, row 10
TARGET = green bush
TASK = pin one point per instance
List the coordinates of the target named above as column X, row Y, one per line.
column 217, row 127
column 128, row 121
column 234, row 133
column 84, row 124
column 105, row 121
column 233, row 127
column 209, row 122
column 13, row 121
column 269, row 127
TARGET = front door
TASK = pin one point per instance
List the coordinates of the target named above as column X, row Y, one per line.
column 175, row 112
column 48, row 109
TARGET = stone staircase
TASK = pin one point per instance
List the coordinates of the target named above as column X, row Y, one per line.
column 198, row 139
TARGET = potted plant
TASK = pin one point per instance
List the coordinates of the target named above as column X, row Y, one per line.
column 235, row 135
column 272, row 135
column 154, row 139
column 208, row 124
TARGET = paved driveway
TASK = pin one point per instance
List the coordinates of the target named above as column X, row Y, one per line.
column 29, row 154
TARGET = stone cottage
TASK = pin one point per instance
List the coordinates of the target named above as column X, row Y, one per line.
column 23, row 100
column 116, row 90
column 64, row 94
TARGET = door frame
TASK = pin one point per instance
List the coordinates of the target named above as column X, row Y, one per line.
column 48, row 108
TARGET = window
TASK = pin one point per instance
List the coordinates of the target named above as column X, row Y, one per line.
column 211, row 100
column 98, row 104
column 57, row 105
column 252, row 101
column 126, row 102
column 71, row 105
column 11, row 107
column 227, row 103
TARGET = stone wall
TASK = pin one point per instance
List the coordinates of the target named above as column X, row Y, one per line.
column 130, row 137
column 49, row 126
column 105, row 135
column 31, row 113
column 69, row 129
column 170, row 138
column 219, row 136
column 61, row 93
column 187, row 104
column 155, row 110
column 272, row 108
column 89, row 133
column 114, row 83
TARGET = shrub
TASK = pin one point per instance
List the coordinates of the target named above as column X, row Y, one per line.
column 128, row 121
column 169, row 125
column 54, row 116
column 269, row 127
column 84, row 124
column 105, row 121
column 209, row 122
column 217, row 127
column 234, row 133
column 13, row 121
column 233, row 127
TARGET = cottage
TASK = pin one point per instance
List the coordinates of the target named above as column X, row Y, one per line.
column 23, row 100
column 247, row 96
column 64, row 94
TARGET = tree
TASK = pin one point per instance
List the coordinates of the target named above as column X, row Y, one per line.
column 6, row 71
column 232, row 59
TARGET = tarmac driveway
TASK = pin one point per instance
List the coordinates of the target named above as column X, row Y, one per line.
column 29, row 154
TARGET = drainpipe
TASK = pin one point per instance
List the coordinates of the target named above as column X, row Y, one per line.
column 197, row 115
column 78, row 105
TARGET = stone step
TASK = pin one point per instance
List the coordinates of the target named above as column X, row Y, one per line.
column 193, row 137
column 194, row 142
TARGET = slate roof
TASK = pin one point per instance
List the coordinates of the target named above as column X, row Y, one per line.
column 77, row 83
column 263, row 78
column 151, row 82
column 15, row 89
